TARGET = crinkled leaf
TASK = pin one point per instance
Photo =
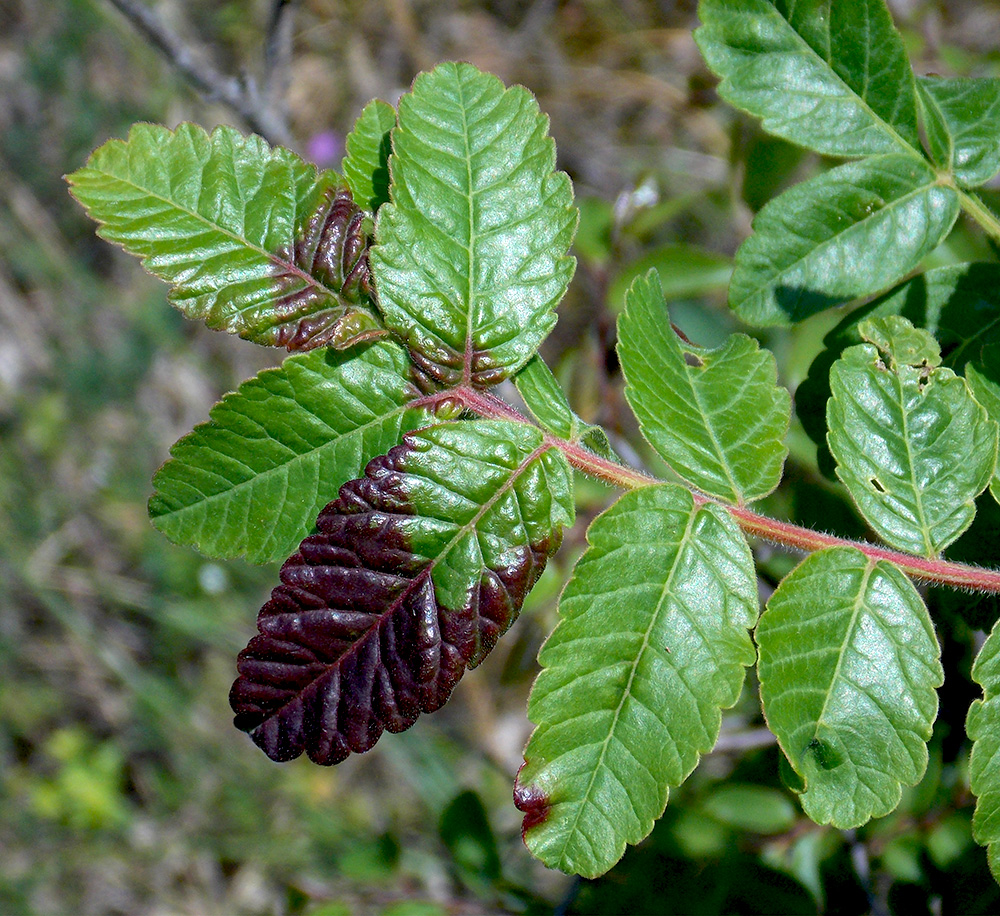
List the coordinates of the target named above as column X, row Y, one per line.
column 471, row 256
column 251, row 238
column 849, row 232
column 652, row 643
column 545, row 398
column 898, row 421
column 831, row 76
column 984, row 381
column 963, row 126
column 252, row 480
column 717, row 417
column 848, row 668
column 415, row 572
column 983, row 727
column 366, row 165
column 959, row 304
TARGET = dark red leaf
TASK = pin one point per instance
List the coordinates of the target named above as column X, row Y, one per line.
column 354, row 641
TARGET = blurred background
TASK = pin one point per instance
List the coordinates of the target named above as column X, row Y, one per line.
column 123, row 786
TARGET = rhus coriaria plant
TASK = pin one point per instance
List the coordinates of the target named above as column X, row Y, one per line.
column 416, row 508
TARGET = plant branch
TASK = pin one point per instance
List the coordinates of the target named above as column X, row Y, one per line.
column 206, row 78
column 785, row 534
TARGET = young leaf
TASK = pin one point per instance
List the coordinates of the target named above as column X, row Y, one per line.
column 418, row 568
column 983, row 727
column 544, row 397
column 849, row 232
column 897, row 421
column 833, row 77
column 252, row 239
column 651, row 645
column 963, row 126
column 717, row 417
column 848, row 668
column 471, row 256
column 366, row 165
column 252, row 480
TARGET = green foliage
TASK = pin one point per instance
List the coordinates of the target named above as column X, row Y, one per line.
column 651, row 645
column 366, row 165
column 277, row 450
column 437, row 504
column 717, row 417
column 983, row 727
column 471, row 255
column 896, row 419
column 848, row 667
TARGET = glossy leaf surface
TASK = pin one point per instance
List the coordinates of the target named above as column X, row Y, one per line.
column 984, row 382
column 963, row 126
column 983, row 727
column 472, row 251
column 848, row 668
column 897, row 422
column 652, row 643
column 252, row 480
column 415, row 572
column 366, row 165
column 251, row 238
column 849, row 232
column 830, row 75
column 717, row 417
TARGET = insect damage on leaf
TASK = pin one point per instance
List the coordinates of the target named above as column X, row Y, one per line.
column 331, row 246
column 357, row 638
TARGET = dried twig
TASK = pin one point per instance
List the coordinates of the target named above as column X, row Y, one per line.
column 241, row 95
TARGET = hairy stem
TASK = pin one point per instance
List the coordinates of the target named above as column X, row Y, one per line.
column 785, row 534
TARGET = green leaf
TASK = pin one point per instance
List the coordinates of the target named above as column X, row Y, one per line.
column 897, row 422
column 849, row 232
column 253, row 479
column 684, row 270
column 254, row 241
column 652, row 643
column 718, row 417
column 545, row 398
column 983, row 727
column 471, row 256
column 984, row 382
column 848, row 668
column 963, row 126
column 831, row 76
column 366, row 165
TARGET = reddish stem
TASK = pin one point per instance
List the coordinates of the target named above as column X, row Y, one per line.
column 795, row 537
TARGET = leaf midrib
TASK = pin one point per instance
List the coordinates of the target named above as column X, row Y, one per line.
column 565, row 862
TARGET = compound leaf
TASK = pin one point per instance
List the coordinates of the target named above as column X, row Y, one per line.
column 472, row 250
column 652, row 643
column 366, row 165
column 717, row 417
column 897, row 421
column 251, row 238
column 849, row 232
column 983, row 727
column 415, row 572
column 963, row 126
column 848, row 668
column 252, row 480
column 830, row 76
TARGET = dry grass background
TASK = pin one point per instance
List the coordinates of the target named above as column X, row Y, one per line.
column 123, row 787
